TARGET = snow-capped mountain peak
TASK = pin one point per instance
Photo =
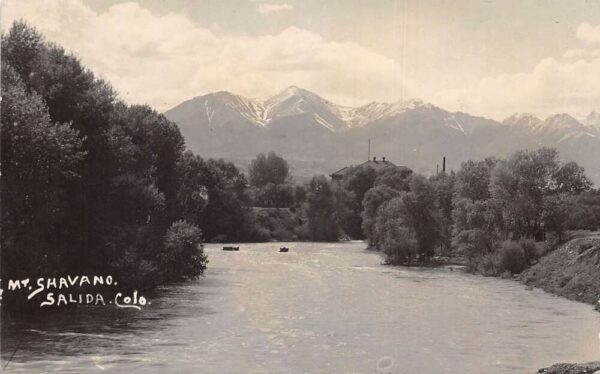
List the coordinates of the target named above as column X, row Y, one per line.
column 298, row 105
column 593, row 121
column 523, row 119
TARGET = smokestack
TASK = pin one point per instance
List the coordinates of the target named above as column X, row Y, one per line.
column 437, row 168
column 369, row 151
column 444, row 165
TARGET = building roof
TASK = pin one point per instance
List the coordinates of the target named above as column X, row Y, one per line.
column 374, row 163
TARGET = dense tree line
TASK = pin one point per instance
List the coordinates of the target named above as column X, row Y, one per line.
column 501, row 214
column 95, row 186
column 92, row 185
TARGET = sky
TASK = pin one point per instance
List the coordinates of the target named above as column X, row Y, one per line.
column 485, row 57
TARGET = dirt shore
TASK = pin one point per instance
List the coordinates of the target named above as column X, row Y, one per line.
column 572, row 270
column 587, row 368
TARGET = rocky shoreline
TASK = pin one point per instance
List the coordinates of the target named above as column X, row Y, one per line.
column 587, row 368
column 571, row 270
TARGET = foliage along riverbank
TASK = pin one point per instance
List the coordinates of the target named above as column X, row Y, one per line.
column 93, row 185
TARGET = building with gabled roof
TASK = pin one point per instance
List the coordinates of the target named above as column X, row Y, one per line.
column 374, row 163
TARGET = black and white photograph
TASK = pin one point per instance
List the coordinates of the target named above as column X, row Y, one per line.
column 300, row 186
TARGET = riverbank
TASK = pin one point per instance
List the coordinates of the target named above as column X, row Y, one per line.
column 569, row 271
column 587, row 368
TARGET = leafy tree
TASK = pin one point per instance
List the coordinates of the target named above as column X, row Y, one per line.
column 395, row 236
column 212, row 196
column 570, row 178
column 89, row 184
column 359, row 180
column 355, row 185
column 394, row 177
column 422, row 214
column 183, row 256
column 473, row 179
column 322, row 222
column 299, row 194
column 38, row 158
column 348, row 212
column 22, row 48
column 270, row 168
column 475, row 230
column 374, row 198
column 406, row 224
column 444, row 186
column 522, row 184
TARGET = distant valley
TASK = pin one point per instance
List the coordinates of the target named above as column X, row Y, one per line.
column 318, row 136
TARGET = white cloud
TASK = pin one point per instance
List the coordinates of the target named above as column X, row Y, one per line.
column 268, row 8
column 569, row 84
column 588, row 33
column 162, row 60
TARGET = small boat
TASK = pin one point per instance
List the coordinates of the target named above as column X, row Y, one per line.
column 284, row 249
column 231, row 248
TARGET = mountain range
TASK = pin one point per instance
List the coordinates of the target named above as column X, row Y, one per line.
column 318, row 136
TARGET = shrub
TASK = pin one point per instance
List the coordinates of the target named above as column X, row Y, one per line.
column 183, row 254
column 485, row 265
column 530, row 250
column 511, row 256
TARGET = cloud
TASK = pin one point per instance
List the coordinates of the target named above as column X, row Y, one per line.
column 162, row 60
column 268, row 8
column 569, row 84
column 588, row 33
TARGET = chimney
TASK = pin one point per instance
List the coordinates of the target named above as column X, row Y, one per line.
column 383, row 159
column 444, row 165
column 374, row 158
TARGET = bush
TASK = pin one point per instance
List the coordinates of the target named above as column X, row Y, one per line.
column 511, row 256
column 530, row 250
column 183, row 254
column 485, row 265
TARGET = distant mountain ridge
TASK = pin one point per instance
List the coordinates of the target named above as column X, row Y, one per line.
column 318, row 136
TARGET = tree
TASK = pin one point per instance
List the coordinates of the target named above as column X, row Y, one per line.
column 522, row 184
column 38, row 159
column 422, row 215
column 22, row 48
column 348, row 212
column 270, row 168
column 473, row 179
column 407, row 225
column 571, row 179
column 395, row 237
column 394, row 177
column 212, row 196
column 359, row 180
column 475, row 229
column 374, row 198
column 322, row 222
column 183, row 256
column 355, row 185
column 444, row 186
column 91, row 185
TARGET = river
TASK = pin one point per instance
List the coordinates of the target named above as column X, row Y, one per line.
column 321, row 308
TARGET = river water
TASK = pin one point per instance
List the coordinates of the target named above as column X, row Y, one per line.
column 321, row 308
